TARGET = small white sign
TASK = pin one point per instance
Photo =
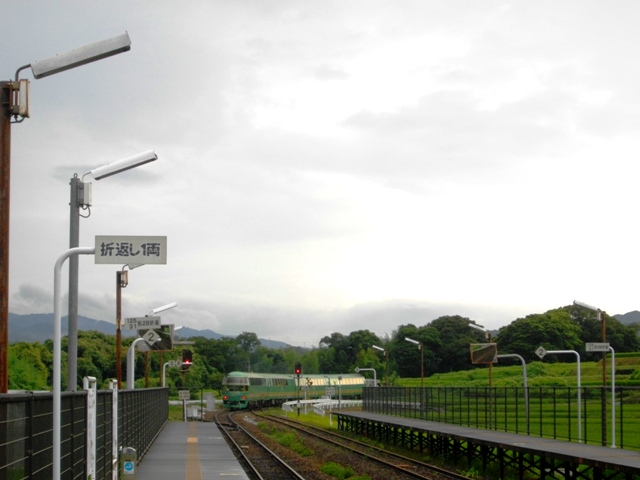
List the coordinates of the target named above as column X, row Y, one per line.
column 183, row 394
column 142, row 323
column 114, row 249
column 541, row 352
column 597, row 347
column 331, row 391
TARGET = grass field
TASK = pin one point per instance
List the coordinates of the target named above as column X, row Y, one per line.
column 550, row 409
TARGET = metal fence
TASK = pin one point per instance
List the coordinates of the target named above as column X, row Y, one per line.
column 26, row 433
column 605, row 417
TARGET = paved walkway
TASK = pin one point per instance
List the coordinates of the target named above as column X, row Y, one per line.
column 190, row 451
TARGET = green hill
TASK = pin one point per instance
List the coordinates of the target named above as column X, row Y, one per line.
column 539, row 373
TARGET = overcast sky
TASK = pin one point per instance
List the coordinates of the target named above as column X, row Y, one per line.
column 332, row 166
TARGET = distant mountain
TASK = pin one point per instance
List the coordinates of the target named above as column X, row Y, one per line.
column 628, row 318
column 38, row 327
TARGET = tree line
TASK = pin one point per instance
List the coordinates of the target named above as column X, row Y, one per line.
column 444, row 347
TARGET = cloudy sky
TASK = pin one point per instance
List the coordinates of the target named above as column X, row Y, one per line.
column 334, row 166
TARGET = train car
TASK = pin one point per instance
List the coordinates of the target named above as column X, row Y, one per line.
column 242, row 390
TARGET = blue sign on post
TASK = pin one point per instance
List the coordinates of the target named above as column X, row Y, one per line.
column 129, row 467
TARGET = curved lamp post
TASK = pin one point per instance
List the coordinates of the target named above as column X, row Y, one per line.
column 131, row 352
column 131, row 358
column 541, row 352
column 14, row 102
column 415, row 342
column 375, row 378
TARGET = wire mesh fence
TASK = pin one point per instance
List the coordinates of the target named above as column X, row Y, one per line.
column 594, row 415
column 26, row 435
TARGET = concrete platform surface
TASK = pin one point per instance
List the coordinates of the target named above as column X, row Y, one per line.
column 189, row 450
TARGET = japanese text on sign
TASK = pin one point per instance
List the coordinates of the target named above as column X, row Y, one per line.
column 123, row 249
column 142, row 323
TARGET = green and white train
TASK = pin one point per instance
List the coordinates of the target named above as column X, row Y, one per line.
column 242, row 390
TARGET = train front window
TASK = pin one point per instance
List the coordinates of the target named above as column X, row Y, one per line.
column 237, row 388
column 235, row 384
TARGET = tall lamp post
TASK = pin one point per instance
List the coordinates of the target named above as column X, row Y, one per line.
column 80, row 197
column 487, row 335
column 122, row 280
column 420, row 347
column 386, row 354
column 14, row 102
column 146, row 353
column 601, row 318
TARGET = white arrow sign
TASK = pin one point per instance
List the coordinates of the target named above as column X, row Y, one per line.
column 541, row 352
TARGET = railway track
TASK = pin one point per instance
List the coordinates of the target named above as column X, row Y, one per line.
column 394, row 464
column 256, row 458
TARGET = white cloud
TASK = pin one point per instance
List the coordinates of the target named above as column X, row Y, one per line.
column 318, row 160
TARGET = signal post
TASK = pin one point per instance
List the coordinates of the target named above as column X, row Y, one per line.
column 298, row 371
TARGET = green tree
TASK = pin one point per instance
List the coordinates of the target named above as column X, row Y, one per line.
column 553, row 330
column 454, row 338
column 623, row 338
column 27, row 366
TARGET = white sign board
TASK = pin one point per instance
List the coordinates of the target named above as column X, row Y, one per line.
column 183, row 395
column 331, row 391
column 114, row 249
column 142, row 323
column 597, row 347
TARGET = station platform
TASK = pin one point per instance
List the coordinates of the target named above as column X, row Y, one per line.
column 525, row 454
column 189, row 450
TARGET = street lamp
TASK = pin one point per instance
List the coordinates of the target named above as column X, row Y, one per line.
column 602, row 319
column 14, row 102
column 146, row 352
column 81, row 198
column 415, row 342
column 487, row 335
column 131, row 351
column 386, row 354
column 162, row 309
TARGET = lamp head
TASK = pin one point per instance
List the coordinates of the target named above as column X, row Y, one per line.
column 410, row 340
column 81, row 56
column 123, row 165
column 586, row 305
column 163, row 308
column 477, row 327
column 377, row 348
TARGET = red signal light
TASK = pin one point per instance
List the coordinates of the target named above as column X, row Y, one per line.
column 186, row 359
